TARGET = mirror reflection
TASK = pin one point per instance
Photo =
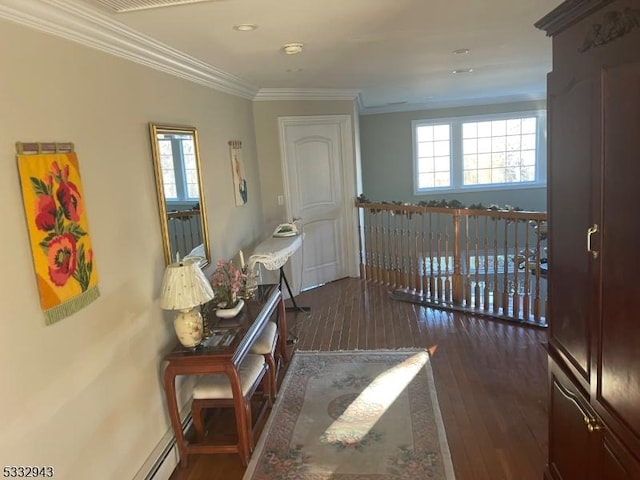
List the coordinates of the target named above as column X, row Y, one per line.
column 181, row 203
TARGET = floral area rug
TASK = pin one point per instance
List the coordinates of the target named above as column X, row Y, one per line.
column 363, row 415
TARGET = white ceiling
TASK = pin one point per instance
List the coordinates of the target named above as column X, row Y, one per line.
column 398, row 54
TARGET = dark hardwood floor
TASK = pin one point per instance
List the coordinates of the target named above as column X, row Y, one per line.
column 491, row 377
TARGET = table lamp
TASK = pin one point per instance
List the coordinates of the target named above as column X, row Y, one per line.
column 185, row 287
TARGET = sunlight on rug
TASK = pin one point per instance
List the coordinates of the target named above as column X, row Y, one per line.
column 355, row 415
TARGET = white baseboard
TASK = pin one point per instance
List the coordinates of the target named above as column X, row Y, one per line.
column 164, row 458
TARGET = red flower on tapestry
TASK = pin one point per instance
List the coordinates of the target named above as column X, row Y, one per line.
column 67, row 194
column 45, row 213
column 62, row 258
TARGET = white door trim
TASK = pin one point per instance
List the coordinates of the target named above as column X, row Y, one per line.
column 348, row 176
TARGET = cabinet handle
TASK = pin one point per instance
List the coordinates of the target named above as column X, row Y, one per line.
column 590, row 232
column 594, row 425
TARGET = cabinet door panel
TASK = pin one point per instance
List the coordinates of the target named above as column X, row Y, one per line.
column 616, row 463
column 618, row 392
column 569, row 439
column 570, row 198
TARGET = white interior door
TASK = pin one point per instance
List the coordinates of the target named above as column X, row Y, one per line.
column 318, row 166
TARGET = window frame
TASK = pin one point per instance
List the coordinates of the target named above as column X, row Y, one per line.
column 456, row 165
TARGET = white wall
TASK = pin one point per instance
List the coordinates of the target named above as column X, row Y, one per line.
column 84, row 395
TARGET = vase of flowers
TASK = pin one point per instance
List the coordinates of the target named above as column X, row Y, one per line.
column 227, row 281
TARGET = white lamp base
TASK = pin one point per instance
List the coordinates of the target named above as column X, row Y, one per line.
column 189, row 327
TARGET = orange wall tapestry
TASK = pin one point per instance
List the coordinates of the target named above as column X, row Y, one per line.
column 58, row 231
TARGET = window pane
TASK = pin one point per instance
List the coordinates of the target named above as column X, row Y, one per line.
column 170, row 190
column 469, row 146
column 189, row 161
column 512, row 174
column 441, row 148
column 471, row 177
column 498, row 144
column 192, row 176
column 528, row 142
column 187, row 147
column 442, row 179
column 484, row 160
column 514, row 126
column 168, row 169
column 166, row 162
column 425, row 180
column 484, row 129
column 529, row 125
column 528, row 158
column 528, row 174
column 484, row 176
column 498, row 128
column 470, row 162
column 425, row 149
column 498, row 160
column 425, row 165
column 469, row 130
column 441, row 132
column 425, row 133
column 513, row 159
column 189, row 165
column 441, row 164
column 169, row 183
column 484, row 145
column 498, row 175
column 193, row 190
column 513, row 142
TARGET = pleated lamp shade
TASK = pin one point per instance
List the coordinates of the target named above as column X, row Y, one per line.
column 184, row 286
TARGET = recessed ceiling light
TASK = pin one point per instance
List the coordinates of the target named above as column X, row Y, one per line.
column 245, row 27
column 461, row 51
column 463, row 70
column 292, row 48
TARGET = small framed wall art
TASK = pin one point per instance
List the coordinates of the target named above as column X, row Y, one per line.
column 237, row 168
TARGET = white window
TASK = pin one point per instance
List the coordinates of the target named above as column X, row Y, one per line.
column 179, row 170
column 433, row 146
column 481, row 152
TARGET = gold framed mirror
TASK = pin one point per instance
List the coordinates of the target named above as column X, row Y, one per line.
column 176, row 159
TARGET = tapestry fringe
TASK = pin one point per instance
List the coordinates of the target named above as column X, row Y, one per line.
column 70, row 307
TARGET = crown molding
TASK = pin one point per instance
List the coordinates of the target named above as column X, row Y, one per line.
column 454, row 103
column 326, row 94
column 82, row 24
column 568, row 13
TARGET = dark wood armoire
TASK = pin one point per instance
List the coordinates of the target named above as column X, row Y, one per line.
column 593, row 103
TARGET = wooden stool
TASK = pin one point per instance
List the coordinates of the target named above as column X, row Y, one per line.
column 267, row 346
column 214, row 391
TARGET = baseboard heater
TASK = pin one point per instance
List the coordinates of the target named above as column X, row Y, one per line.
column 164, row 458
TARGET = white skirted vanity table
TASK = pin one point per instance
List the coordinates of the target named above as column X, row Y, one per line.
column 273, row 253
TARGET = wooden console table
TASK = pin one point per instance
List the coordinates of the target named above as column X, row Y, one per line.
column 222, row 353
